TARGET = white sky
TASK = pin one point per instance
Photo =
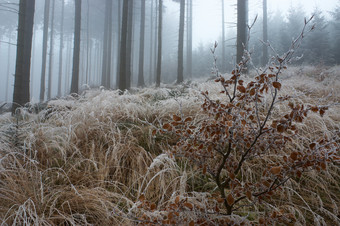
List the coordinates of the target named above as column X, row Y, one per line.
column 207, row 14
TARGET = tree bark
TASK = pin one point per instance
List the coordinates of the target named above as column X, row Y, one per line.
column 123, row 42
column 61, row 47
column 189, row 40
column 50, row 64
column 181, row 43
column 44, row 50
column 76, row 49
column 129, row 46
column 242, row 19
column 21, row 94
column 223, row 39
column 141, row 47
column 159, row 54
column 265, row 34
column 106, row 67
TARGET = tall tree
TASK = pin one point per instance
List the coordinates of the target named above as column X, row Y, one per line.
column 159, row 54
column 181, row 42
column 123, row 42
column 223, row 39
column 189, row 39
column 61, row 47
column 76, row 49
column 129, row 45
column 265, row 34
column 242, row 19
column 141, row 47
column 21, row 94
column 50, row 64
column 107, row 45
column 44, row 50
column 151, row 45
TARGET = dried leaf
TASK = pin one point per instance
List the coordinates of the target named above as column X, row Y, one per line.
column 323, row 165
column 220, row 200
column 141, row 198
column 232, row 176
column 248, row 194
column 252, row 92
column 192, row 223
column 277, row 85
column 312, row 145
column 230, row 199
column 294, row 155
column 177, row 200
column 167, row 127
column 189, row 119
column 176, row 118
column 242, row 89
column 153, row 206
column 280, row 128
column 276, row 170
column 188, row 205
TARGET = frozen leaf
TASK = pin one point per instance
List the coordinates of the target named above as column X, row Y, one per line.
column 176, row 118
column 242, row 89
column 294, row 155
column 276, row 170
column 277, row 85
column 230, row 199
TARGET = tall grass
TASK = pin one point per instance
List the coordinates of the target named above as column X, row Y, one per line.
column 88, row 160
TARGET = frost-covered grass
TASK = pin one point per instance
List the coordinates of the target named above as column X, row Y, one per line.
column 87, row 160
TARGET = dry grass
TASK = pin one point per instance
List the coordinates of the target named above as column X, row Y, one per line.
column 87, row 160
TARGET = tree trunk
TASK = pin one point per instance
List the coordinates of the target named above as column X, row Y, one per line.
column 129, row 46
column 50, row 67
column 123, row 42
column 76, row 49
column 8, row 67
column 265, row 34
column 189, row 40
column 87, row 42
column 159, row 54
column 242, row 19
column 44, row 50
column 106, row 67
column 223, row 39
column 180, row 43
column 141, row 47
column 21, row 94
column 61, row 47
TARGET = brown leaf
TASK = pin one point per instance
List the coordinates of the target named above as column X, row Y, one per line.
column 141, row 198
column 154, row 132
column 276, row 170
column 277, row 85
column 252, row 92
column 294, row 155
column 189, row 119
column 323, row 165
column 242, row 89
column 167, row 127
column 188, row 205
column 312, row 145
column 230, row 199
column 220, row 200
column 177, row 200
column 314, row 109
column 153, row 206
column 192, row 223
column 176, row 118
column 280, row 128
column 232, row 176
column 248, row 194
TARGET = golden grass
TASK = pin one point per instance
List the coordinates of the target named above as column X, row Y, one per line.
column 87, row 160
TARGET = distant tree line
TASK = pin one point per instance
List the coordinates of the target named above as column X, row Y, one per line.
column 123, row 43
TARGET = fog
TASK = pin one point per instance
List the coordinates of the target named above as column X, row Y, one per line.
column 285, row 20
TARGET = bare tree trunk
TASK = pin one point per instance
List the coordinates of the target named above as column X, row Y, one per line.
column 21, row 94
column 76, row 51
column 44, row 50
column 181, row 43
column 87, row 42
column 159, row 55
column 123, row 42
column 106, row 67
column 61, row 47
column 154, row 73
column 223, row 39
column 151, row 45
column 8, row 67
column 50, row 67
column 129, row 46
column 141, row 47
column 189, row 40
column 265, row 34
column 242, row 19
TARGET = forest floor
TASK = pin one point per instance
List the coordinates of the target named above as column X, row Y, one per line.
column 94, row 159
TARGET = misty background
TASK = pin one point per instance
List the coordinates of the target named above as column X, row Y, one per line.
column 285, row 20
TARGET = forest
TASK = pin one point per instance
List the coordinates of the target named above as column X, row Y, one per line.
column 132, row 112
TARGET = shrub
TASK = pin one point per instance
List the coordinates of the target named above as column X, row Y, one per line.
column 245, row 127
